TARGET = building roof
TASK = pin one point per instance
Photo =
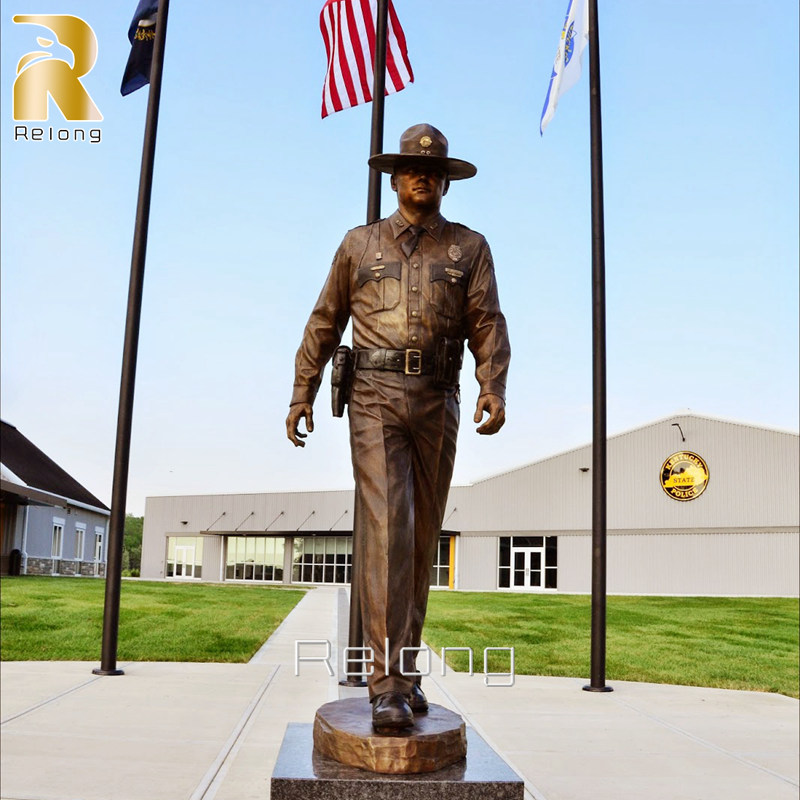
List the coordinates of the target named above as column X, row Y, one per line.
column 753, row 486
column 671, row 418
column 27, row 467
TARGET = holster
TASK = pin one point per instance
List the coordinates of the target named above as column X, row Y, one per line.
column 449, row 355
column 341, row 379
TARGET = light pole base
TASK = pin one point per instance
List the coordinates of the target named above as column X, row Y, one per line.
column 591, row 688
column 99, row 671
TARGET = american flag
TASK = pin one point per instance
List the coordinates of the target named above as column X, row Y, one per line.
column 348, row 28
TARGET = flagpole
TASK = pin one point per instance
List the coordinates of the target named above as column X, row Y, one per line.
column 356, row 632
column 378, row 92
column 599, row 482
column 119, row 492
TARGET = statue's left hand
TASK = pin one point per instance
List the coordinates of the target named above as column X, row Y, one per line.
column 495, row 407
column 297, row 412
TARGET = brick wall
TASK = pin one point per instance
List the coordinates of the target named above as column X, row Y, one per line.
column 39, row 566
column 44, row 566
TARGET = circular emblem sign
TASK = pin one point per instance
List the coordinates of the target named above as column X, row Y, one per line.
column 684, row 476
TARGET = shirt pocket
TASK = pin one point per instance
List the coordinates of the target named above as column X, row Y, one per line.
column 379, row 286
column 448, row 288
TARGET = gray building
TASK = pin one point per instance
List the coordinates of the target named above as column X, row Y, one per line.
column 696, row 506
column 49, row 523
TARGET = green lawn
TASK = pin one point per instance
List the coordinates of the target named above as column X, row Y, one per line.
column 731, row 643
column 61, row 619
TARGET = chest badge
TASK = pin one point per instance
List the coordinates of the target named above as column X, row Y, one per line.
column 454, row 252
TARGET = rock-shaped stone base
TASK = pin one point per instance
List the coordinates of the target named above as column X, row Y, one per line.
column 343, row 731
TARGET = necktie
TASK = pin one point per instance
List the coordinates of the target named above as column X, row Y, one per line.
column 410, row 244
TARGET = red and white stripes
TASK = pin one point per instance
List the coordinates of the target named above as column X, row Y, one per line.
column 348, row 28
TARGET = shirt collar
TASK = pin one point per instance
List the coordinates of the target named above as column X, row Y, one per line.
column 434, row 226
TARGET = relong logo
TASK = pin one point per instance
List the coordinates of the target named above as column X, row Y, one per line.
column 41, row 75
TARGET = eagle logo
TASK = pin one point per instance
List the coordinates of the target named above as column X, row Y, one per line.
column 569, row 44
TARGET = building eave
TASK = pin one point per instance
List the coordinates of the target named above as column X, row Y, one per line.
column 39, row 497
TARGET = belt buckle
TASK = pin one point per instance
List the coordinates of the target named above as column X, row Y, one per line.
column 413, row 362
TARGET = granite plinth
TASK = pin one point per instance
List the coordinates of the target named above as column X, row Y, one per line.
column 343, row 731
column 301, row 773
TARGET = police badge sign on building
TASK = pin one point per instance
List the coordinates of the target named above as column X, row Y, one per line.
column 684, row 476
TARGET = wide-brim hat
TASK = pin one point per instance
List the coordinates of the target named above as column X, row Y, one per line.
column 424, row 143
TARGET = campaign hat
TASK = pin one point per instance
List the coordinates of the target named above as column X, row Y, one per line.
column 424, row 144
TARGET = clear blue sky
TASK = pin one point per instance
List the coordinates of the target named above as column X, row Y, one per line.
column 253, row 192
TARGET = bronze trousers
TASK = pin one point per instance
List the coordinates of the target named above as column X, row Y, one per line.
column 403, row 434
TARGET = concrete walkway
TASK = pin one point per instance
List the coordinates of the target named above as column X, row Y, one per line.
column 213, row 731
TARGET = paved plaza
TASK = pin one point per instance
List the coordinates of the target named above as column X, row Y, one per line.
column 167, row 731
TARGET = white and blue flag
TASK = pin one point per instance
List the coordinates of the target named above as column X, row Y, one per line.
column 567, row 66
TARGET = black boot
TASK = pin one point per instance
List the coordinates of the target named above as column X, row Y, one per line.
column 417, row 699
column 390, row 711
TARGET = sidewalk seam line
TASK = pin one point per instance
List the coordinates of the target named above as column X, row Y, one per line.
column 707, row 744
column 534, row 791
column 258, row 656
column 50, row 700
column 208, row 780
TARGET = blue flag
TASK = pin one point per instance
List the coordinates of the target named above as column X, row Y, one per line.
column 142, row 35
column 567, row 66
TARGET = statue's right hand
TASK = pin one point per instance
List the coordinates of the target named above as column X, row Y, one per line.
column 296, row 412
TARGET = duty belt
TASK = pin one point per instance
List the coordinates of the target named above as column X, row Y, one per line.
column 411, row 362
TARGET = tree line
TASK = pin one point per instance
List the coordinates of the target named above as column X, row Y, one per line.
column 132, row 546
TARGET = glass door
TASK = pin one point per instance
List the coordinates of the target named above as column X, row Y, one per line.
column 527, row 567
column 184, row 561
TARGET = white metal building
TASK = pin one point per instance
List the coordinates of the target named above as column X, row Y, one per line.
column 696, row 506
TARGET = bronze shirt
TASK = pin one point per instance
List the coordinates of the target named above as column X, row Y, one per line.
column 446, row 287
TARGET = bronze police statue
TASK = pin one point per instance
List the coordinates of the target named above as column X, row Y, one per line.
column 416, row 287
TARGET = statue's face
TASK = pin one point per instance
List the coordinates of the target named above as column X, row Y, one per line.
column 420, row 186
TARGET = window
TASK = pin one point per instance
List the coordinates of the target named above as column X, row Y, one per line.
column 80, row 537
column 528, row 562
column 504, row 576
column 344, row 559
column 322, row 559
column 98, row 544
column 57, row 545
column 440, row 572
column 97, row 551
column 254, row 558
column 184, row 557
column 550, row 562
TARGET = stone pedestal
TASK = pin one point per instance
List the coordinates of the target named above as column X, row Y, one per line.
column 343, row 731
column 301, row 773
